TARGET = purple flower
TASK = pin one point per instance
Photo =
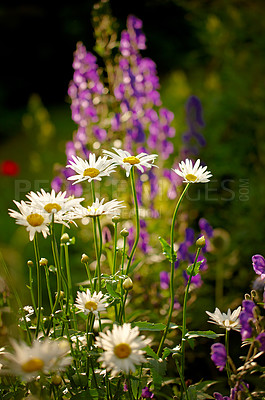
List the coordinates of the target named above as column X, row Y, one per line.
column 218, row 355
column 218, row 396
column 164, row 280
column 206, row 227
column 146, row 394
column 56, row 184
column 261, row 339
column 245, row 317
column 259, row 265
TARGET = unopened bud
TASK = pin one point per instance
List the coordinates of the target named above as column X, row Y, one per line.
column 61, row 295
column 65, row 238
column 124, row 233
column 84, row 259
column 30, row 263
column 56, row 380
column 43, row 262
column 127, row 284
column 200, row 242
column 116, row 219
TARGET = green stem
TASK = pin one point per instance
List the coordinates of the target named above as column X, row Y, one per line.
column 19, row 302
column 172, row 270
column 182, row 380
column 228, row 370
column 122, row 271
column 48, row 285
column 31, row 289
column 68, row 276
column 39, row 287
column 115, row 249
column 185, row 314
column 97, row 254
column 137, row 220
column 97, row 219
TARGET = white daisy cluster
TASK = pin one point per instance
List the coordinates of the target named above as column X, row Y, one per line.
column 228, row 321
column 88, row 303
column 37, row 213
column 43, row 357
column 122, row 349
column 193, row 173
column 99, row 208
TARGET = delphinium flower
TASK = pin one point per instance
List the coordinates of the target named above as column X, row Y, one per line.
column 88, row 303
column 59, row 205
column 246, row 317
column 258, row 262
column 228, row 321
column 193, row 173
column 218, row 355
column 146, row 393
column 35, row 220
column 218, row 396
column 93, row 169
column 45, row 357
column 127, row 161
column 122, row 348
column 99, row 208
column 164, row 279
column 261, row 339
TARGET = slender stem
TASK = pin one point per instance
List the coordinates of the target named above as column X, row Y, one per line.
column 172, row 270
column 97, row 253
column 48, row 285
column 130, row 387
column 68, row 275
column 98, row 220
column 122, row 290
column 114, row 249
column 137, row 220
column 39, row 288
column 182, row 380
column 19, row 302
column 31, row 288
column 185, row 314
column 228, row 370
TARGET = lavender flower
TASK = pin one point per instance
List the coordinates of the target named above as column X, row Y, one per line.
column 146, row 393
column 259, row 265
column 261, row 339
column 195, row 124
column 245, row 317
column 218, row 396
column 218, row 355
column 164, row 280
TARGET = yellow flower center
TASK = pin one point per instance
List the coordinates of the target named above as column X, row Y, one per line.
column 122, row 350
column 131, row 160
column 52, row 206
column 35, row 219
column 91, row 305
column 32, row 365
column 191, row 177
column 91, row 172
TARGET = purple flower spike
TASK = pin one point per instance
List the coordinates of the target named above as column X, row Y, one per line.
column 261, row 339
column 245, row 317
column 164, row 280
column 218, row 396
column 146, row 394
column 218, row 355
column 259, row 265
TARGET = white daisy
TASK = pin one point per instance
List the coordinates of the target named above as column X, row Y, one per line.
column 193, row 173
column 91, row 169
column 45, row 356
column 127, row 161
column 91, row 304
column 122, row 348
column 227, row 321
column 99, row 208
column 34, row 219
column 57, row 204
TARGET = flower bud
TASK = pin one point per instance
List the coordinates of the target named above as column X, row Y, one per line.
column 200, row 242
column 84, row 259
column 61, row 295
column 30, row 263
column 124, row 233
column 116, row 219
column 65, row 238
column 56, row 380
column 43, row 262
column 127, row 284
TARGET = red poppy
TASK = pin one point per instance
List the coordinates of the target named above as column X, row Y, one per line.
column 9, row 168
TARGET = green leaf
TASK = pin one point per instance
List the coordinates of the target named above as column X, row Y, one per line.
column 196, row 268
column 150, row 352
column 158, row 371
column 111, row 291
column 207, row 334
column 167, row 351
column 133, row 266
column 149, row 326
column 167, row 250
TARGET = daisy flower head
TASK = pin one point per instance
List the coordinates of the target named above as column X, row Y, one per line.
column 35, row 220
column 127, row 161
column 58, row 204
column 99, row 208
column 122, row 348
column 88, row 303
column 228, row 321
column 90, row 169
column 45, row 356
column 193, row 173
